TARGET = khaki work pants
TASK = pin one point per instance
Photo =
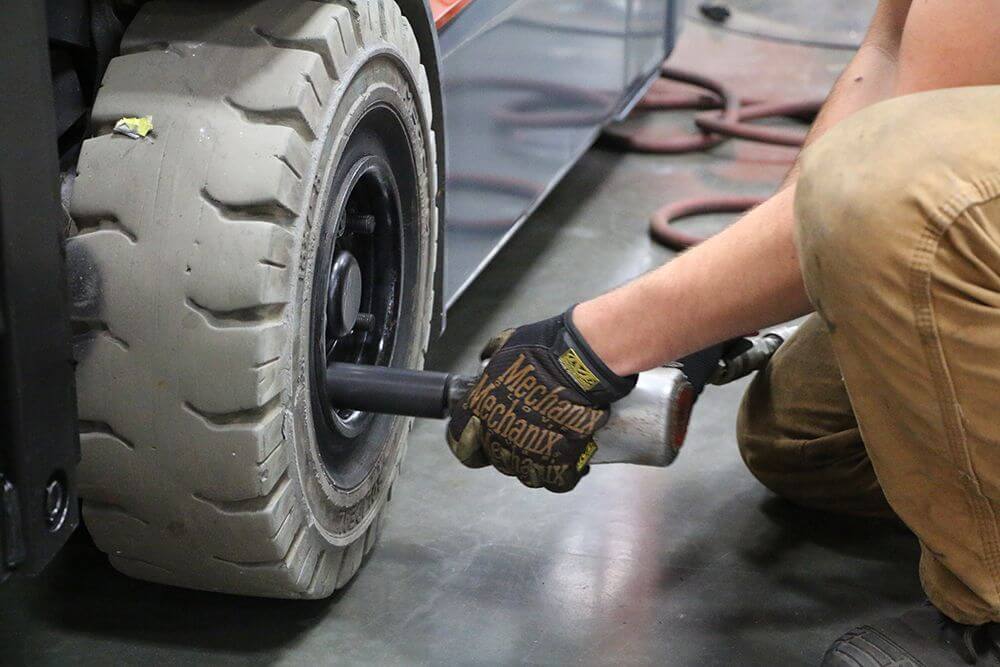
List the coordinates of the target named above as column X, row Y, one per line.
column 888, row 398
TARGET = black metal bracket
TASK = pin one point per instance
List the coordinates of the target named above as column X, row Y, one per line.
column 39, row 446
column 12, row 551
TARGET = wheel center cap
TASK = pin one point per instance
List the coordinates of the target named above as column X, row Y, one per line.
column 343, row 301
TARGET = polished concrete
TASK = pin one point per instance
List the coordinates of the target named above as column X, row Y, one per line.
column 695, row 564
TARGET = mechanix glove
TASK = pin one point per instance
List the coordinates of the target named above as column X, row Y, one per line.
column 534, row 410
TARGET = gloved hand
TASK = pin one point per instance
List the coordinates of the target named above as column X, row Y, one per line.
column 535, row 408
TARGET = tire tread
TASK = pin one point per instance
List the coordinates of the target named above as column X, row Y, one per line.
column 224, row 516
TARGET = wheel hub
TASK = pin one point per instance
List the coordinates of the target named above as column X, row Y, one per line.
column 343, row 299
column 362, row 271
column 361, row 291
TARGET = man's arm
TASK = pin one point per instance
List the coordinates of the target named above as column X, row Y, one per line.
column 870, row 77
column 948, row 45
column 748, row 276
column 547, row 386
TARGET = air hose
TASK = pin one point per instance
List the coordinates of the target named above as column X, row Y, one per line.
column 722, row 116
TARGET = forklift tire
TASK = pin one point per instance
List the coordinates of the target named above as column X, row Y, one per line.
column 200, row 269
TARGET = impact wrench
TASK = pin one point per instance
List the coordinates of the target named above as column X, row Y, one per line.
column 647, row 427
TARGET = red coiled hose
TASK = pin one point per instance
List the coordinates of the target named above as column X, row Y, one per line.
column 726, row 117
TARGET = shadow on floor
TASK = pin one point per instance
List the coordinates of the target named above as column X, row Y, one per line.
column 80, row 593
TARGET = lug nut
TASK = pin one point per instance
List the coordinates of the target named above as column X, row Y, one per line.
column 364, row 322
column 361, row 223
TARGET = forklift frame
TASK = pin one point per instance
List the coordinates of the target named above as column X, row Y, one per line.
column 40, row 447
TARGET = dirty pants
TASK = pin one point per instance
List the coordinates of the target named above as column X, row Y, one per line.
column 887, row 400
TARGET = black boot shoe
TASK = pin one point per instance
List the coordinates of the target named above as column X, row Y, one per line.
column 923, row 637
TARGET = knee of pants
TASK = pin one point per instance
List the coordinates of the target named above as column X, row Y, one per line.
column 764, row 450
column 829, row 472
column 872, row 184
column 771, row 443
column 769, row 451
column 797, row 433
column 774, row 434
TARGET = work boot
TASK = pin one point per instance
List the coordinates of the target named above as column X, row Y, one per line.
column 923, row 637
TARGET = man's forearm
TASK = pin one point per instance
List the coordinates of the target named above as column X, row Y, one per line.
column 748, row 276
column 737, row 281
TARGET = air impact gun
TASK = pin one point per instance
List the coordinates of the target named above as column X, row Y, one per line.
column 647, row 427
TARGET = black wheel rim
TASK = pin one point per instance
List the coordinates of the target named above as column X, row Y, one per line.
column 362, row 268
column 370, row 236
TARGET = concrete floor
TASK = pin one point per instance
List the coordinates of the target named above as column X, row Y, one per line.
column 696, row 564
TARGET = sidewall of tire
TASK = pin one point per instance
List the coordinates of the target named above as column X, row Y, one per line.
column 342, row 514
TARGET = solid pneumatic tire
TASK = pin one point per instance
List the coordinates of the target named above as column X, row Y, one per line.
column 191, row 276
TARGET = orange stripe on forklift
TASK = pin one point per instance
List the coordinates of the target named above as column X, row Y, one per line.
column 444, row 11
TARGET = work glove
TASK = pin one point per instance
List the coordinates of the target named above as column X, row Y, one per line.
column 534, row 410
